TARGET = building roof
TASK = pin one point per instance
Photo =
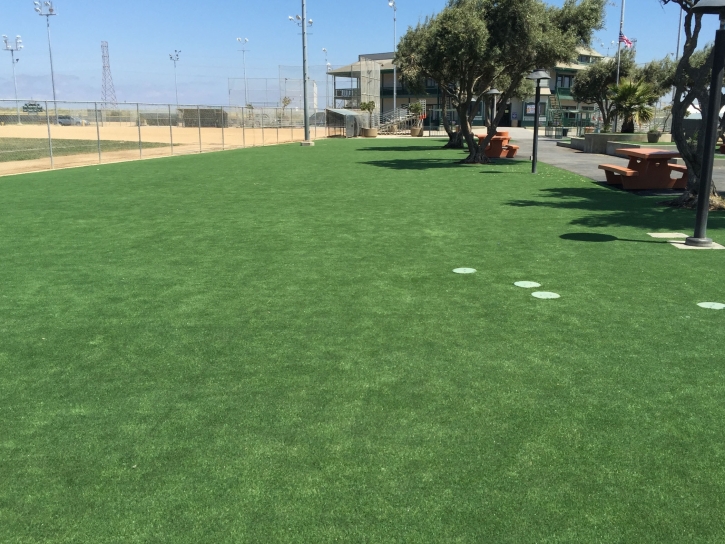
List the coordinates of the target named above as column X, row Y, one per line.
column 353, row 70
column 576, row 66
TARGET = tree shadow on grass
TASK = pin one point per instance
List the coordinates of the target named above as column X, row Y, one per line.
column 596, row 237
column 617, row 208
column 404, row 148
column 417, row 164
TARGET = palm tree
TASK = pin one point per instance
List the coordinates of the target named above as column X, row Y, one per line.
column 633, row 103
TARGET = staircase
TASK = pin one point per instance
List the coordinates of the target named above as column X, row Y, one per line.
column 400, row 120
column 554, row 113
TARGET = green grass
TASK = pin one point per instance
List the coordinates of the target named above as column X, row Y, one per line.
column 268, row 345
column 25, row 149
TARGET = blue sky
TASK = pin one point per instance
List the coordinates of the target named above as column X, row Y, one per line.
column 141, row 35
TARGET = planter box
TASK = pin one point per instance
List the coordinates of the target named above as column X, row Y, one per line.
column 577, row 143
column 597, row 143
column 416, row 132
column 370, row 132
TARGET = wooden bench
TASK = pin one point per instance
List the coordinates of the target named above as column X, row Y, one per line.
column 616, row 174
column 680, row 183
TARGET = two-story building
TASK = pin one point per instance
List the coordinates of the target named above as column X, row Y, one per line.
column 557, row 105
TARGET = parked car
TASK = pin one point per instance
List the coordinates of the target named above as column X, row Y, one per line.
column 67, row 121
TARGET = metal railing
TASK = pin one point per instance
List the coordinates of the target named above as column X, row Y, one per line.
column 40, row 135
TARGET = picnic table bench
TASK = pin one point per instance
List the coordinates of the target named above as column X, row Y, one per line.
column 499, row 147
column 648, row 168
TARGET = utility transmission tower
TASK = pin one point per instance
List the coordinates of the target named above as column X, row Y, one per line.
column 109, row 93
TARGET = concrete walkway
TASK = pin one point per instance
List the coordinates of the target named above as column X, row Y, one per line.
column 584, row 164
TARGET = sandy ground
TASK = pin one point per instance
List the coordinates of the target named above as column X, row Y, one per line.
column 186, row 140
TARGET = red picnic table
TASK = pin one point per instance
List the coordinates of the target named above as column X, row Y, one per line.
column 648, row 168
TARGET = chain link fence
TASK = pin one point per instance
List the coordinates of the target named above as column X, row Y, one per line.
column 43, row 135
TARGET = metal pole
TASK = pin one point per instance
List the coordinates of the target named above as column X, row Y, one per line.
column 619, row 40
column 50, row 139
column 244, row 130
column 138, row 122
column 198, row 117
column 304, row 72
column 536, row 127
column 700, row 238
column 176, row 86
column 15, row 80
column 52, row 73
column 395, row 48
column 222, row 121
column 244, row 65
column 98, row 132
column 171, row 130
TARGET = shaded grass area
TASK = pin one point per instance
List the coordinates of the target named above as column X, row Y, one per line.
column 268, row 345
column 24, row 149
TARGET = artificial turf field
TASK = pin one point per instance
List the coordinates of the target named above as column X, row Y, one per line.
column 269, row 345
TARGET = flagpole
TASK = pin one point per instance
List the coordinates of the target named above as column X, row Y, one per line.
column 619, row 43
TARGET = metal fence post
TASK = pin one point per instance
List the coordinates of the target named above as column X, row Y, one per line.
column 278, row 123
column 50, row 139
column 171, row 131
column 292, row 126
column 244, row 130
column 138, row 121
column 222, row 121
column 262, row 123
column 198, row 116
column 98, row 132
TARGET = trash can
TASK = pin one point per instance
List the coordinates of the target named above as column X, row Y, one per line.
column 565, row 132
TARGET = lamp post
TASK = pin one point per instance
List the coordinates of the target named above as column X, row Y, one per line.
column 17, row 47
column 493, row 93
column 537, row 75
column 303, row 22
column 175, row 58
column 244, row 67
column 715, row 7
column 47, row 10
column 392, row 4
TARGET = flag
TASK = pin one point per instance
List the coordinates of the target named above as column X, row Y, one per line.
column 625, row 40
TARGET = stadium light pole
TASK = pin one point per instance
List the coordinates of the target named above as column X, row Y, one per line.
column 714, row 7
column 244, row 43
column 538, row 76
column 47, row 10
column 17, row 47
column 175, row 58
column 303, row 22
column 393, row 5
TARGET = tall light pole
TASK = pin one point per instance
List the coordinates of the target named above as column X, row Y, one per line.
column 175, row 58
column 244, row 43
column 715, row 7
column 17, row 47
column 304, row 22
column 538, row 76
column 47, row 10
column 392, row 4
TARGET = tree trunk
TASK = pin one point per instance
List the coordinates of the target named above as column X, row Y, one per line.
column 455, row 140
column 628, row 126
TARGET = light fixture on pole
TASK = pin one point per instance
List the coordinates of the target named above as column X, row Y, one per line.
column 538, row 76
column 493, row 93
column 303, row 22
column 714, row 7
column 47, row 10
column 392, row 4
column 244, row 43
column 175, row 58
column 13, row 49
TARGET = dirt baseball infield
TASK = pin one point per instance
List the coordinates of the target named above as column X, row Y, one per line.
column 185, row 140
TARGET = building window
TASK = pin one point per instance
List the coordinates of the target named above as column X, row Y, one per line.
column 564, row 82
column 585, row 59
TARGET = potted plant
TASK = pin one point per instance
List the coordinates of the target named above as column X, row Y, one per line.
column 416, row 108
column 653, row 136
column 370, row 108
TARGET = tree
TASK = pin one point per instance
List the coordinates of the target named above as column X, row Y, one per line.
column 633, row 102
column 474, row 45
column 370, row 108
column 692, row 87
column 593, row 85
